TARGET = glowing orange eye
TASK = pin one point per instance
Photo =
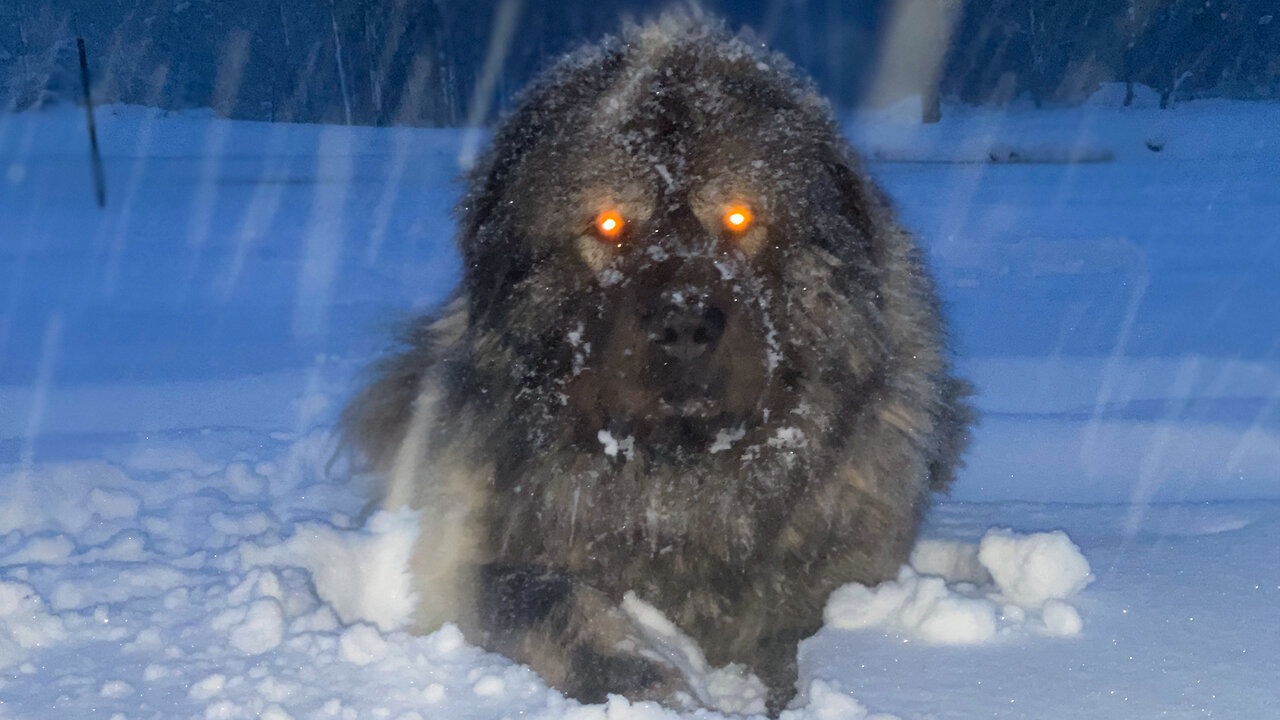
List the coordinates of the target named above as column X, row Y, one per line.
column 609, row 225
column 737, row 218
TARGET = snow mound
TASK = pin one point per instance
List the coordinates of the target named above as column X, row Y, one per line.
column 1031, row 570
column 824, row 700
column 24, row 623
column 957, row 593
column 922, row 607
column 256, row 628
column 75, row 497
column 363, row 575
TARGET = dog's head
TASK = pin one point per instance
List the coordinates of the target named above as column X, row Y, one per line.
column 669, row 238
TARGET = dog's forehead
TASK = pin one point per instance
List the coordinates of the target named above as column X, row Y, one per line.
column 670, row 122
column 662, row 150
column 684, row 108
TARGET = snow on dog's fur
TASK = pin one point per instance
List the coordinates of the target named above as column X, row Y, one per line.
column 692, row 356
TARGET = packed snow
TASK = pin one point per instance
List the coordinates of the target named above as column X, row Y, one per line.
column 963, row 593
column 179, row 536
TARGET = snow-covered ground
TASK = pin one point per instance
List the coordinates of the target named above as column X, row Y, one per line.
column 177, row 539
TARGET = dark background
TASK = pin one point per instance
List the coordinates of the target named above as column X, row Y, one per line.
column 422, row 62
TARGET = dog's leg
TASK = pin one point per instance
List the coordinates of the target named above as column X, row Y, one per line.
column 775, row 665
column 570, row 634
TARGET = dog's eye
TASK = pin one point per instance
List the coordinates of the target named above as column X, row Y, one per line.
column 737, row 219
column 609, row 225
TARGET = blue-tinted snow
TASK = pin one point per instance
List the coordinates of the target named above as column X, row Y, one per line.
column 170, row 366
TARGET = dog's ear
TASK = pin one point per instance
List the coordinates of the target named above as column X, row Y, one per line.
column 857, row 200
column 496, row 254
column 855, row 230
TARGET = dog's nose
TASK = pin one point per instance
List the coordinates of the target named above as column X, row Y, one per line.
column 686, row 332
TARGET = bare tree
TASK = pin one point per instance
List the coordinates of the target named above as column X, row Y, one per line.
column 45, row 68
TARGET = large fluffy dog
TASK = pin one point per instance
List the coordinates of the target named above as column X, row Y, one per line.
column 692, row 356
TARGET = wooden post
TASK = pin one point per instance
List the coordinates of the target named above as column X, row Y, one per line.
column 95, row 157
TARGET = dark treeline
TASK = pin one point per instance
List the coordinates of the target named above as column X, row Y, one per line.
column 1058, row 50
column 446, row 62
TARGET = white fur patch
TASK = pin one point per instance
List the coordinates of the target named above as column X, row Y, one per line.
column 448, row 496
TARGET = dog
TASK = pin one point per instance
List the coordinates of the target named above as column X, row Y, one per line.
column 692, row 356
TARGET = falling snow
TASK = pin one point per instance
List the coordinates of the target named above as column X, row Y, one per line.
column 178, row 539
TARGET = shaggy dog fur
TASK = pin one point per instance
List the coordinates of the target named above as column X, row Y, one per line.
column 731, row 399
